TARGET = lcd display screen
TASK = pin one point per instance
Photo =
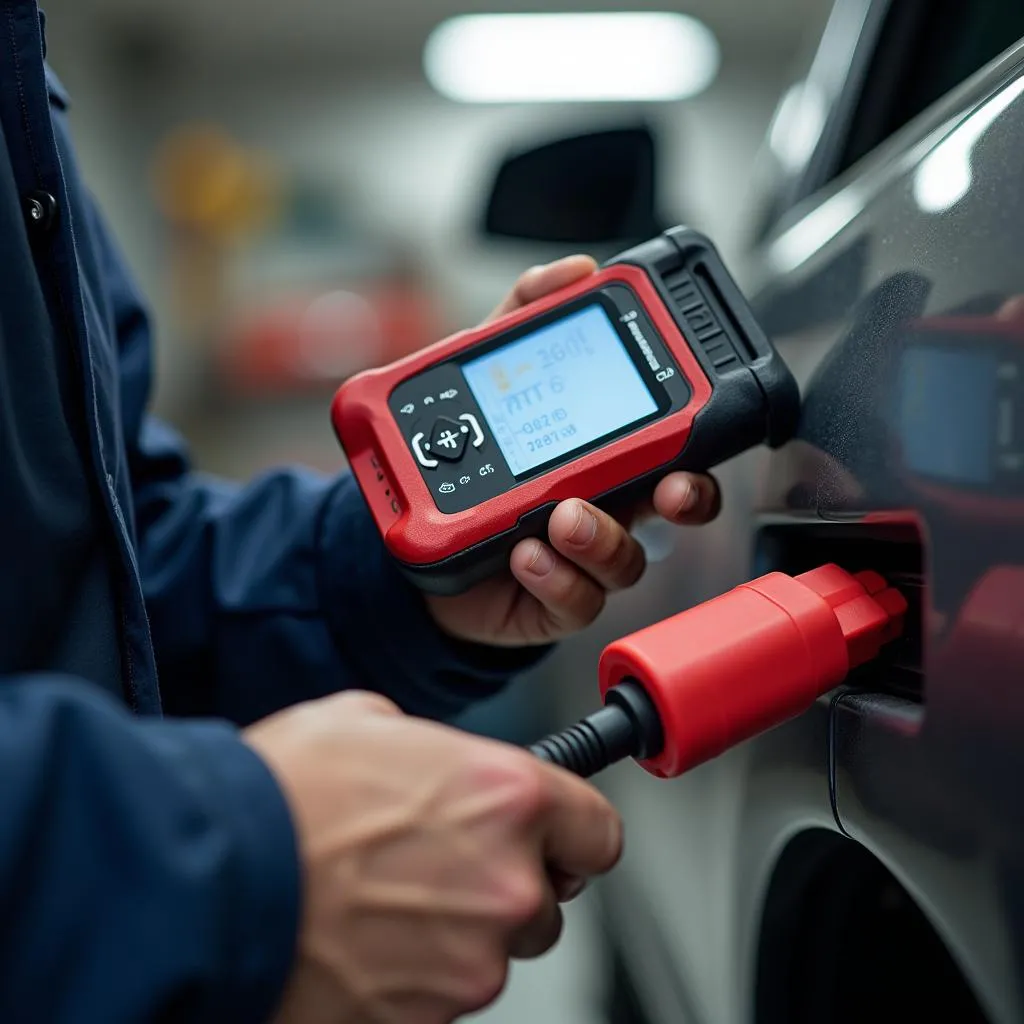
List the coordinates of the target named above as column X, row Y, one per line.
column 559, row 389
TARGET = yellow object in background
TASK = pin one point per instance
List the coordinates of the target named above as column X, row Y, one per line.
column 215, row 195
column 206, row 182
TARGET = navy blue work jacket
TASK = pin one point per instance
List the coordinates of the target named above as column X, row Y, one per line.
column 148, row 868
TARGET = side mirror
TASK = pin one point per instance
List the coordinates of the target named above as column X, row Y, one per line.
column 590, row 190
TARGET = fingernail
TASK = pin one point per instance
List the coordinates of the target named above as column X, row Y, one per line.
column 688, row 500
column 615, row 839
column 571, row 889
column 542, row 562
column 584, row 530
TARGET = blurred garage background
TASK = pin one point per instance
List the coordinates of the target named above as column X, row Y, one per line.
column 299, row 201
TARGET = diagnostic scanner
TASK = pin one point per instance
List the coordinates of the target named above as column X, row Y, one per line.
column 653, row 363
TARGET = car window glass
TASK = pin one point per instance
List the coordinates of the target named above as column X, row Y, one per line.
column 926, row 48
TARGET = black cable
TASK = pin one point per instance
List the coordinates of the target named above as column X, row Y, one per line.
column 627, row 726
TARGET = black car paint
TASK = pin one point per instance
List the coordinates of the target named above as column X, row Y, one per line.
column 933, row 788
column 932, row 783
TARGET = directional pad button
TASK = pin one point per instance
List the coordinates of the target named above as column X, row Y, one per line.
column 448, row 439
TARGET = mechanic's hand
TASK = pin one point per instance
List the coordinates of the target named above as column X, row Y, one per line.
column 557, row 588
column 426, row 856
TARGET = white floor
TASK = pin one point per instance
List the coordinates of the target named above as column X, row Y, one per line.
column 560, row 988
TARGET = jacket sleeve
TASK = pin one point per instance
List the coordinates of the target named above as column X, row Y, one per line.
column 148, row 869
column 263, row 595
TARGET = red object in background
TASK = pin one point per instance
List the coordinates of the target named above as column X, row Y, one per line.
column 314, row 341
column 979, row 666
column 742, row 663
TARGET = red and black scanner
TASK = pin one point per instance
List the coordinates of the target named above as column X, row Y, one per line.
column 654, row 363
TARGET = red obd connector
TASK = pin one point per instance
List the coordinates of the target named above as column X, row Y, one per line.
column 744, row 662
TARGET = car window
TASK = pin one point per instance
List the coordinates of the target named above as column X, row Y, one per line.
column 925, row 49
column 884, row 63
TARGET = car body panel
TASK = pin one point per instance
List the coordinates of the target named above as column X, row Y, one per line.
column 935, row 790
column 913, row 255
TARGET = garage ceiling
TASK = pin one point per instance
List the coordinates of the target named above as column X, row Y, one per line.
column 389, row 33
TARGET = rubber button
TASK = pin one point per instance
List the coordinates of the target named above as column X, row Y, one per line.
column 421, row 457
column 470, row 421
column 448, row 439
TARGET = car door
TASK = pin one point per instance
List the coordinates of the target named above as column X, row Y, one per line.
column 895, row 287
column 886, row 264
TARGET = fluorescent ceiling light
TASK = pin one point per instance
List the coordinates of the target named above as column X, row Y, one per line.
column 534, row 58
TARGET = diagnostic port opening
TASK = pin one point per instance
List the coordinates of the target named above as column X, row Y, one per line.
column 893, row 547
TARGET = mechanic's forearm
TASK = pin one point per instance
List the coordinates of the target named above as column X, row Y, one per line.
column 148, row 869
column 281, row 591
column 232, row 587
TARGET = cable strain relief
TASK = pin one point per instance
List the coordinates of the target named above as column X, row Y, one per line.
column 579, row 749
column 633, row 699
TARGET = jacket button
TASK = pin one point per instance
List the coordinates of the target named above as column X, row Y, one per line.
column 41, row 210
